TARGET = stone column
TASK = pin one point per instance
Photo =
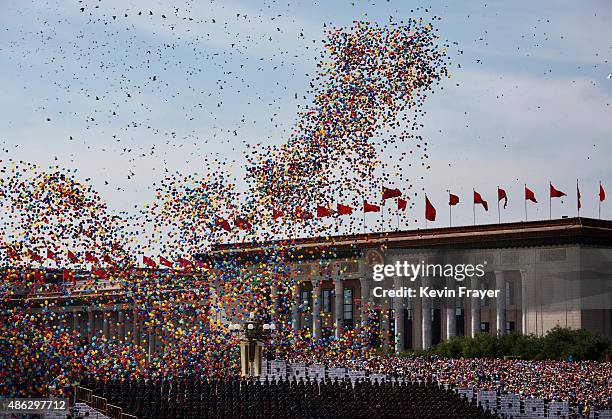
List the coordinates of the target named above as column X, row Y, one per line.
column 365, row 301
column 524, row 302
column 295, row 303
column 121, row 321
column 316, row 309
column 90, row 323
column 425, row 317
column 398, row 317
column 150, row 343
column 384, row 324
column 338, row 307
column 112, row 324
column 500, row 302
column 475, row 309
column 105, row 323
column 135, row 328
column 75, row 322
column 451, row 315
column 274, row 297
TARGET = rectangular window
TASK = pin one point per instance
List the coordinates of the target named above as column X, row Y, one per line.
column 327, row 301
column 305, row 297
column 348, row 304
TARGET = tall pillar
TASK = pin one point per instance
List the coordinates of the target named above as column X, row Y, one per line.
column 90, row 323
column 338, row 307
column 384, row 324
column 451, row 315
column 274, row 299
column 105, row 323
column 524, row 302
column 475, row 309
column 121, row 321
column 426, row 317
column 150, row 343
column 295, row 303
column 135, row 328
column 500, row 302
column 398, row 317
column 112, row 324
column 365, row 301
column 75, row 321
column 316, row 308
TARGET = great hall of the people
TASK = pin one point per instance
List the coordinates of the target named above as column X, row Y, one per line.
column 548, row 273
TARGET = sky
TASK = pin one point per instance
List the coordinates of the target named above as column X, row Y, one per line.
column 123, row 91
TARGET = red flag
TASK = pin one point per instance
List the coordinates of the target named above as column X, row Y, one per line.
column 149, row 262
column 370, row 207
column 452, row 199
column 390, row 193
column 276, row 214
column 165, row 262
column 107, row 259
column 72, row 257
column 501, row 194
column 224, row 224
column 401, row 204
column 11, row 254
column 242, row 224
column 91, row 258
column 303, row 215
column 344, row 209
column 529, row 195
column 578, row 196
column 34, row 256
column 430, row 211
column 323, row 212
column 38, row 276
column 67, row 275
column 478, row 200
column 100, row 273
column 602, row 193
column 50, row 254
column 185, row 263
column 555, row 193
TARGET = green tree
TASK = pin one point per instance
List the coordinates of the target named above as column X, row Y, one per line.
column 558, row 343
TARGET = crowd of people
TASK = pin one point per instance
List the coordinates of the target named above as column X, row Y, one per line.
column 581, row 383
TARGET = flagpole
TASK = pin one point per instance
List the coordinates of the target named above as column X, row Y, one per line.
column 450, row 213
column 425, row 211
column 473, row 206
column 498, row 213
column 364, row 217
column 577, row 198
column 450, row 210
column 337, row 223
column 382, row 217
column 599, row 199
column 525, row 203
column 549, row 201
column 397, row 229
